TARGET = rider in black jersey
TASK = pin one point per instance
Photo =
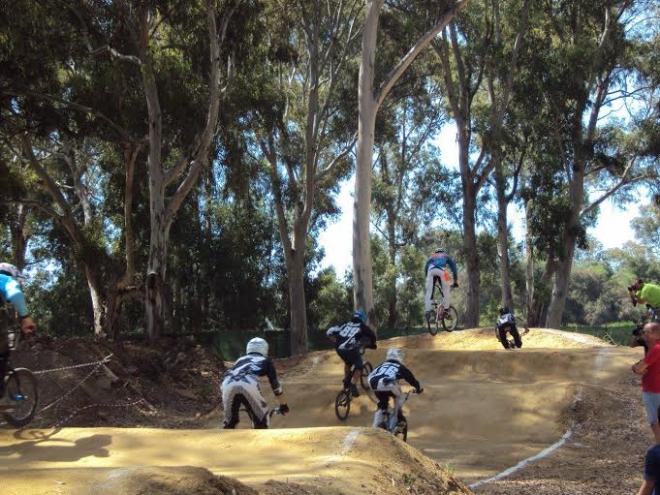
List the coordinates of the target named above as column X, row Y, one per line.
column 384, row 381
column 240, row 386
column 348, row 338
column 505, row 321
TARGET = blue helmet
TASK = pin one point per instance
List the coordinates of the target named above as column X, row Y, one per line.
column 360, row 316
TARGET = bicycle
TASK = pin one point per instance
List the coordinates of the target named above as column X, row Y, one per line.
column 21, row 389
column 344, row 398
column 516, row 337
column 447, row 318
column 275, row 411
column 397, row 425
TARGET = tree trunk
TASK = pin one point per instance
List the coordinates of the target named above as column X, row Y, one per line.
column 563, row 273
column 469, row 230
column 368, row 103
column 363, row 297
column 471, row 258
column 393, row 315
column 19, row 236
column 156, row 273
column 503, row 234
column 297, row 303
column 97, row 300
column 161, row 216
column 529, row 269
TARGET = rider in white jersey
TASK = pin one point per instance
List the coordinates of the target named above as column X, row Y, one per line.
column 240, row 386
column 384, row 381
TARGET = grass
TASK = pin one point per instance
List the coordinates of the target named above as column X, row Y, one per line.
column 616, row 333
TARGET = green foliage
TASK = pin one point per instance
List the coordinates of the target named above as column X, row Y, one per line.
column 598, row 289
column 68, row 83
column 332, row 301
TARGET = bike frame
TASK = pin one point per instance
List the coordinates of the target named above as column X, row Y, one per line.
column 392, row 413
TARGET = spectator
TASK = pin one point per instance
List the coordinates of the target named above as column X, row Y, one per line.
column 649, row 368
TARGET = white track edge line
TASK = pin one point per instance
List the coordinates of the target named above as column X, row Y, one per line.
column 599, row 361
column 544, row 453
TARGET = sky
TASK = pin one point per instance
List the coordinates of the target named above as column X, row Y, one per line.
column 613, row 228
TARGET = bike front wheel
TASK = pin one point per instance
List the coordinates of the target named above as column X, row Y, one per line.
column 450, row 319
column 401, row 430
column 432, row 322
column 364, row 377
column 342, row 405
column 21, row 390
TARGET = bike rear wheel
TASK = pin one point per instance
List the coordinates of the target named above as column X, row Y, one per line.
column 364, row 377
column 450, row 319
column 21, row 390
column 343, row 405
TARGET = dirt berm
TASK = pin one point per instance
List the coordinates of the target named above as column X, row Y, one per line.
column 483, row 410
column 306, row 460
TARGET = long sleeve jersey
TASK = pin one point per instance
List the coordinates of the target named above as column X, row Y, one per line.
column 250, row 367
column 351, row 335
column 10, row 291
column 441, row 260
column 391, row 371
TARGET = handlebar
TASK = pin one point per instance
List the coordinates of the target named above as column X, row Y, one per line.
column 274, row 412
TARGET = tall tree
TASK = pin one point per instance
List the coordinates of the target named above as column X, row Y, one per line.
column 147, row 29
column 593, row 36
column 474, row 46
column 306, row 144
column 404, row 161
column 369, row 100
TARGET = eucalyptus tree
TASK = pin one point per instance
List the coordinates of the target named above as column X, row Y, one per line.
column 596, row 155
column 478, row 56
column 502, row 68
column 306, row 140
column 43, row 125
column 437, row 15
column 404, row 161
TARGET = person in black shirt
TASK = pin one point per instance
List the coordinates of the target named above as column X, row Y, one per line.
column 384, row 381
column 348, row 338
column 240, row 386
column 505, row 321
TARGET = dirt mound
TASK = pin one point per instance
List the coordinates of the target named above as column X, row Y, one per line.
column 165, row 481
column 173, row 383
column 329, row 461
column 483, row 411
column 484, row 339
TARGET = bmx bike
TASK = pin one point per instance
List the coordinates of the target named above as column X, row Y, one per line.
column 509, row 336
column 397, row 424
column 20, row 390
column 447, row 317
column 344, row 398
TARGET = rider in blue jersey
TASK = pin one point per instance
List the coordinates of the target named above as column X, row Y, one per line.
column 11, row 293
column 437, row 266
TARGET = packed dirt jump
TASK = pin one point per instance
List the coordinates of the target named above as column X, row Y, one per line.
column 484, row 410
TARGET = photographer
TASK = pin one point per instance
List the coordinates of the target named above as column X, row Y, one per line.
column 645, row 293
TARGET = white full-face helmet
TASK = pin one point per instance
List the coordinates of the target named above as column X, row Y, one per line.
column 395, row 355
column 258, row 345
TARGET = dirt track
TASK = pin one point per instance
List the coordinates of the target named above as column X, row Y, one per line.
column 484, row 410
